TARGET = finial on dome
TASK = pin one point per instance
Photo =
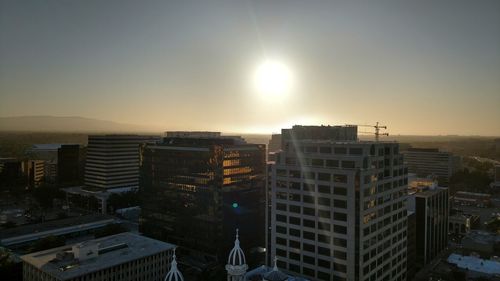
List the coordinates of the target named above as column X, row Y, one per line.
column 174, row 274
column 237, row 231
column 275, row 268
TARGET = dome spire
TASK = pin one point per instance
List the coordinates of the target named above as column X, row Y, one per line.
column 236, row 264
column 174, row 274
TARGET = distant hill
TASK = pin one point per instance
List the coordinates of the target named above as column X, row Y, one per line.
column 66, row 124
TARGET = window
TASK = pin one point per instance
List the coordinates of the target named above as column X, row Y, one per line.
column 308, row 199
column 308, row 247
column 308, row 235
column 308, row 187
column 309, row 260
column 340, row 255
column 340, row 242
column 308, row 211
column 281, row 207
column 324, row 226
column 340, row 150
column 348, row 164
column 310, row 175
column 324, row 214
column 294, row 244
column 281, row 218
column 355, row 151
column 324, row 176
column 340, row 178
column 281, row 229
column 340, row 191
column 308, row 223
column 332, row 163
column 323, row 251
column 295, row 209
column 294, row 220
column 317, row 162
column 324, row 238
column 339, row 229
column 324, row 201
column 324, row 189
column 339, row 216
column 325, row 149
column 311, row 149
column 340, row 203
column 294, row 232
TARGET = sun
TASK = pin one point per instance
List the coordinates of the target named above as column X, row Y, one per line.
column 272, row 79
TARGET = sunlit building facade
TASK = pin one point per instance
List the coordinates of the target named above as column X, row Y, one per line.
column 112, row 161
column 338, row 206
column 197, row 188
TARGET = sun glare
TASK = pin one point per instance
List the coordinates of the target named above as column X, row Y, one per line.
column 272, row 79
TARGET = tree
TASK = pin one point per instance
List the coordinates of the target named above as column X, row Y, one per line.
column 48, row 242
column 46, row 194
column 110, row 229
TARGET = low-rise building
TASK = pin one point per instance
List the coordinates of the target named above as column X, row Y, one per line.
column 124, row 256
column 465, row 198
column 462, row 223
column 475, row 267
column 21, row 239
column 482, row 243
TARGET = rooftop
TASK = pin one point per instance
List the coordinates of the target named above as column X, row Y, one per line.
column 32, row 232
column 62, row 263
column 475, row 264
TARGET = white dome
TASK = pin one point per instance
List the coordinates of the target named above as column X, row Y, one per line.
column 236, row 256
column 174, row 274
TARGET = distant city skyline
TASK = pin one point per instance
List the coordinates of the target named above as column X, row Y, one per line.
column 419, row 67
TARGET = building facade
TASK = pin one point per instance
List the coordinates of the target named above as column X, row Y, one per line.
column 68, row 164
column 426, row 162
column 431, row 222
column 112, row 161
column 196, row 189
column 338, row 206
column 124, row 256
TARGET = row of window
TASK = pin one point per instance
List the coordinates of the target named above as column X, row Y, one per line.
column 311, row 187
column 305, row 270
column 322, row 201
column 307, row 235
column 297, row 174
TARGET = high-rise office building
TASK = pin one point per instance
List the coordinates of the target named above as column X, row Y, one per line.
column 425, row 162
column 112, row 161
column 430, row 203
column 338, row 206
column 198, row 187
column 68, row 164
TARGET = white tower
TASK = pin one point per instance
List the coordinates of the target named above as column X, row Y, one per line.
column 174, row 274
column 236, row 265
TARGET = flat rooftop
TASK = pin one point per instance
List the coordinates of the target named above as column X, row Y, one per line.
column 475, row 264
column 113, row 250
column 58, row 227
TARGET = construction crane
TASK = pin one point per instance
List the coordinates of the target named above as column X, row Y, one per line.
column 377, row 130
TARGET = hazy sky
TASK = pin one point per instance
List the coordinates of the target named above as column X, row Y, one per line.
column 420, row 67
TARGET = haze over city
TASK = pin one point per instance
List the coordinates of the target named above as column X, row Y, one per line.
column 420, row 67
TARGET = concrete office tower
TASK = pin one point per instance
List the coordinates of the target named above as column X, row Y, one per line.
column 68, row 164
column 113, row 161
column 430, row 204
column 426, row 162
column 124, row 256
column 338, row 206
column 273, row 147
column 197, row 188
column 35, row 171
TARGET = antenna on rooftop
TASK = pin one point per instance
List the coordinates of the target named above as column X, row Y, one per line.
column 377, row 132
